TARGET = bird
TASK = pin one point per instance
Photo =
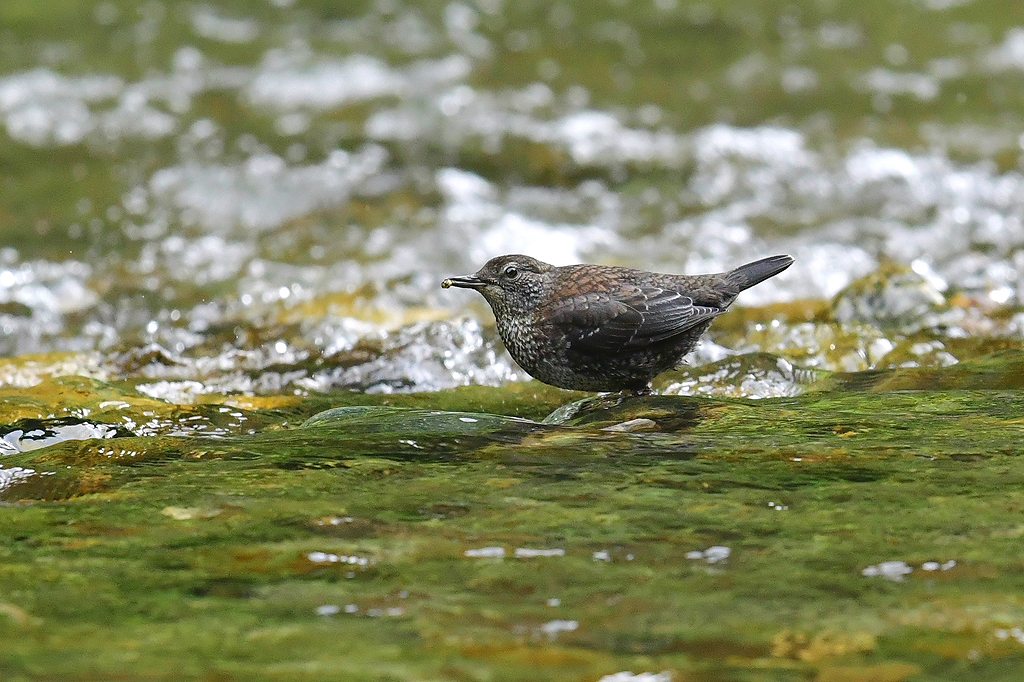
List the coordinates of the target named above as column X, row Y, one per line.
column 604, row 328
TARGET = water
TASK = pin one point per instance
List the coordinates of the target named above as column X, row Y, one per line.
column 219, row 219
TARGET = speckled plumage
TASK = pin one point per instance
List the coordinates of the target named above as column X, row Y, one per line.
column 603, row 328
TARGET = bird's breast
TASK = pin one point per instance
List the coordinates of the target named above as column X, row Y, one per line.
column 519, row 332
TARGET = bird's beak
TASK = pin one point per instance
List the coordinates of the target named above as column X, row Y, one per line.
column 465, row 282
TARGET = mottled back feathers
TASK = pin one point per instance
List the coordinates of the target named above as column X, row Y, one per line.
column 602, row 328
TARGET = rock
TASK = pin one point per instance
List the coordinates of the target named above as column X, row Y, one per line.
column 410, row 421
column 633, row 425
column 893, row 296
column 667, row 414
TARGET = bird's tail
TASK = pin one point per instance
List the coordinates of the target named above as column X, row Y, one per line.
column 746, row 276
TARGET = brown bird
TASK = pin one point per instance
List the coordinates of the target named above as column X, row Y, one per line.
column 604, row 328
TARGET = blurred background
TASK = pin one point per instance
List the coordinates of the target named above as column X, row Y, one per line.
column 261, row 197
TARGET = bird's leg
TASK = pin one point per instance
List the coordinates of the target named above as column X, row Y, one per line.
column 639, row 392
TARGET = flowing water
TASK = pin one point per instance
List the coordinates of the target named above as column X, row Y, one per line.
column 219, row 219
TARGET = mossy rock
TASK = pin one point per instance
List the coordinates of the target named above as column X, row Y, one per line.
column 411, row 421
column 668, row 413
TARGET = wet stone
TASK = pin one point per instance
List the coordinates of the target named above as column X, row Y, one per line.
column 613, row 412
column 409, row 421
column 893, row 296
column 639, row 424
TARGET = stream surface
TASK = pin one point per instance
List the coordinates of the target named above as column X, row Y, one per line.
column 244, row 434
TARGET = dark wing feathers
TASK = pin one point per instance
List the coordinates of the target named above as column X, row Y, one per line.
column 627, row 320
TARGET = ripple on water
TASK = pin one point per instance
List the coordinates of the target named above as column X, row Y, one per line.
column 264, row 192
column 1008, row 55
column 476, row 224
column 28, row 435
column 425, row 356
column 42, row 294
column 295, row 80
column 208, row 23
column 42, row 108
column 420, row 357
column 202, row 260
column 13, row 475
column 461, row 114
column 839, row 208
column 24, row 373
column 755, row 375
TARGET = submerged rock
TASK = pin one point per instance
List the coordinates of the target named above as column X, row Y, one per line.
column 410, row 421
column 602, row 430
column 633, row 426
column 618, row 413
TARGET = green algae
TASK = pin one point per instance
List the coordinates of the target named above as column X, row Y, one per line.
column 260, row 549
column 217, row 553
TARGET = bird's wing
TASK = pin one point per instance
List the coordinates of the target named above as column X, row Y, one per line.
column 630, row 319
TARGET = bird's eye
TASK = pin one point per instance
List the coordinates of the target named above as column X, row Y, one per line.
column 511, row 272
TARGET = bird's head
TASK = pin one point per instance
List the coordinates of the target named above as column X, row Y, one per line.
column 512, row 284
